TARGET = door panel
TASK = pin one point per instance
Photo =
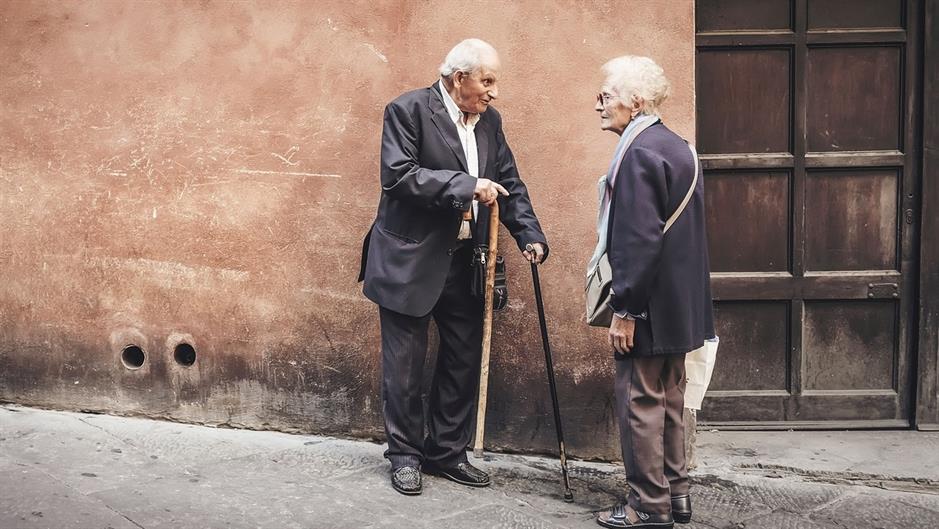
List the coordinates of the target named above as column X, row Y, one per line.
column 853, row 98
column 852, row 14
column 745, row 328
column 764, row 90
column 729, row 15
column 854, row 225
column 849, row 345
column 754, row 207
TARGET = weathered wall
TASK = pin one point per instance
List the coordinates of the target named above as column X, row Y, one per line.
column 204, row 172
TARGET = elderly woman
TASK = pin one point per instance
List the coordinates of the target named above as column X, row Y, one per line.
column 652, row 230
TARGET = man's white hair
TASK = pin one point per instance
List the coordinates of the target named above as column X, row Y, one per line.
column 631, row 75
column 467, row 56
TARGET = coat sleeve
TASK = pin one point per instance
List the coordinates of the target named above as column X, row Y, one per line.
column 635, row 239
column 403, row 178
column 515, row 210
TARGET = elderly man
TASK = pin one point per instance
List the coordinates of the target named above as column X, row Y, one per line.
column 444, row 161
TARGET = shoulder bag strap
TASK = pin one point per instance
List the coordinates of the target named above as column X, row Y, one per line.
column 694, row 183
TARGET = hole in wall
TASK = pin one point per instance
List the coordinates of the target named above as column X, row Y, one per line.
column 185, row 354
column 133, row 357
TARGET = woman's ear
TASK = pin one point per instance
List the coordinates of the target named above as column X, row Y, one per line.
column 635, row 105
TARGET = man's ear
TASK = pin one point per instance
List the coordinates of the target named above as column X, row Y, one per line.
column 458, row 77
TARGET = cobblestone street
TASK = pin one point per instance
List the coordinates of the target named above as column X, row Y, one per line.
column 72, row 470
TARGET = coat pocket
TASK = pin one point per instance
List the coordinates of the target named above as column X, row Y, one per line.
column 398, row 236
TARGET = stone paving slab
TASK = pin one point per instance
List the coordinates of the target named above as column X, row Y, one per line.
column 75, row 453
column 783, row 495
column 251, row 502
column 32, row 499
column 71, row 470
column 898, row 454
column 883, row 511
column 785, row 520
column 495, row 517
column 186, row 444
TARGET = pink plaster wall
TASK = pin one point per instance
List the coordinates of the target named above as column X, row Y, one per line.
column 204, row 172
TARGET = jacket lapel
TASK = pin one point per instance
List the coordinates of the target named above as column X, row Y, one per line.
column 445, row 125
column 482, row 146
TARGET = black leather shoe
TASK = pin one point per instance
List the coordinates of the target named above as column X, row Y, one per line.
column 407, row 480
column 624, row 517
column 462, row 473
column 681, row 508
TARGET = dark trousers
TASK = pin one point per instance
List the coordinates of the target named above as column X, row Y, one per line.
column 451, row 401
column 650, row 397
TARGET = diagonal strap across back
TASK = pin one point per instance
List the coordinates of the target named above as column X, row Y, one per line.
column 694, row 182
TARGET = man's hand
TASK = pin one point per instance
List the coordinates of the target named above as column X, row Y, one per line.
column 621, row 334
column 534, row 252
column 488, row 191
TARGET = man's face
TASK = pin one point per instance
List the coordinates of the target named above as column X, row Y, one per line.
column 475, row 91
column 615, row 112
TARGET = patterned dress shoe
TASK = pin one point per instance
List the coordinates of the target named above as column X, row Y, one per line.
column 407, row 480
column 681, row 508
column 625, row 517
column 462, row 473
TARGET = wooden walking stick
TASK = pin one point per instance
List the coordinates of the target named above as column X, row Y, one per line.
column 487, row 328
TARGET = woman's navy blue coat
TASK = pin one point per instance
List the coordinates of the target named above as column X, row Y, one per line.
column 666, row 276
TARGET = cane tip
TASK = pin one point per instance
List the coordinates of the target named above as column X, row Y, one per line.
column 478, row 453
column 569, row 496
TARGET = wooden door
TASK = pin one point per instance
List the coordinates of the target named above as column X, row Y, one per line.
column 806, row 128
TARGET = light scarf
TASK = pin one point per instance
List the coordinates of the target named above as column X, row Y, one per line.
column 605, row 188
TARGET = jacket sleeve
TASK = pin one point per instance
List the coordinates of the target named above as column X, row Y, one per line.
column 403, row 178
column 515, row 210
column 635, row 239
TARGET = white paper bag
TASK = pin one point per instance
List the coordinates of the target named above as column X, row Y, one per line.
column 699, row 366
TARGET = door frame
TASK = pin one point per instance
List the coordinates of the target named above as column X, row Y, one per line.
column 927, row 351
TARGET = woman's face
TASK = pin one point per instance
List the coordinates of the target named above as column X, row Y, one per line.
column 615, row 111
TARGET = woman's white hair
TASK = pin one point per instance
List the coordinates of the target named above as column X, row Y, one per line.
column 467, row 56
column 631, row 75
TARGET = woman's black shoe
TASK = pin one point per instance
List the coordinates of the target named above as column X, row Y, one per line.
column 681, row 508
column 618, row 517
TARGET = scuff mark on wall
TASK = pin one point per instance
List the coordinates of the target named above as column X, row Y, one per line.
column 285, row 173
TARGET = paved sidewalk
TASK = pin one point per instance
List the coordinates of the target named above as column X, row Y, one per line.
column 63, row 470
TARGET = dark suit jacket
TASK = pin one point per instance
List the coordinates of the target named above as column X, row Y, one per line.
column 669, row 275
column 425, row 190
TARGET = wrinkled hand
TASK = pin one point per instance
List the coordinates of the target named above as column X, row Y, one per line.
column 621, row 334
column 488, row 191
column 534, row 252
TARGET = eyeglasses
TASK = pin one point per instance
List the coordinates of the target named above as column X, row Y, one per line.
column 604, row 98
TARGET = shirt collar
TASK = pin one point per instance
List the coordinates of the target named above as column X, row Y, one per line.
column 452, row 109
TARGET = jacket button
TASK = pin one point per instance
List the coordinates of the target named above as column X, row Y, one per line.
column 450, row 251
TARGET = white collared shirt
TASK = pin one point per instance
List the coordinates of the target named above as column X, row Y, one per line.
column 466, row 128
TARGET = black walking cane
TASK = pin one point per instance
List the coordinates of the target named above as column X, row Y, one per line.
column 549, row 364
